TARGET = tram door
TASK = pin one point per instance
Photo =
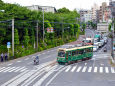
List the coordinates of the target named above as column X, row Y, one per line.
column 68, row 55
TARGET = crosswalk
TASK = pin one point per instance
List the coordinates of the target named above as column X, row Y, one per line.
column 12, row 69
column 90, row 69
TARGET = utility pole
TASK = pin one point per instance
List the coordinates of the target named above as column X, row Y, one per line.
column 37, row 34
column 43, row 25
column 13, row 37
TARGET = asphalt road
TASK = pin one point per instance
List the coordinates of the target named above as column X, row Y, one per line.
column 22, row 71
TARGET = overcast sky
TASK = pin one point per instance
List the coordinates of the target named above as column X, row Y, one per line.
column 70, row 4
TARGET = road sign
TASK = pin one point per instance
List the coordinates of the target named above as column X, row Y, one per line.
column 8, row 44
column 52, row 30
column 48, row 30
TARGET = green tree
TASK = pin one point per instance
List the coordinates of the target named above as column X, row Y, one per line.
column 26, row 38
column 16, row 37
column 32, row 37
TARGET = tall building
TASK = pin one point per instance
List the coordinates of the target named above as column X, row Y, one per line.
column 88, row 16
column 101, row 11
column 82, row 12
column 94, row 12
column 112, row 7
column 40, row 8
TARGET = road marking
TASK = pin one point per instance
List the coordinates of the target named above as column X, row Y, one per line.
column 4, row 69
column 55, row 76
column 68, row 69
column 112, row 70
column 33, row 77
column 9, row 69
column 90, row 68
column 19, row 61
column 22, row 78
column 13, row 79
column 19, row 69
column 73, row 68
column 26, row 58
column 106, row 70
column 44, row 77
column 94, row 62
column 85, row 63
column 101, row 70
column 79, row 68
column 102, row 64
column 95, row 69
column 14, row 69
column 9, row 64
column 84, row 69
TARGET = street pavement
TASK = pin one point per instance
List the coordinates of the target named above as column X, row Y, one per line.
column 93, row 72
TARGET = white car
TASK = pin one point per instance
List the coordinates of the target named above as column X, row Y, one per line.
column 103, row 42
column 96, row 44
column 105, row 39
column 95, row 48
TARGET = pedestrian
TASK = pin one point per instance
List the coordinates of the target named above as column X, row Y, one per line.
column 2, row 57
column 6, row 57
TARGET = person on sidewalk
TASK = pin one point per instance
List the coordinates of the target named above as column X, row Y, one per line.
column 6, row 57
column 2, row 57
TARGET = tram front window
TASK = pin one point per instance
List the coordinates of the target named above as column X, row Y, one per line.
column 61, row 54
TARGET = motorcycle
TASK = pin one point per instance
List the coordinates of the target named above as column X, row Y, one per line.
column 36, row 61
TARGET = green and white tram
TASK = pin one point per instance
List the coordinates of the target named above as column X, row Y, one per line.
column 69, row 55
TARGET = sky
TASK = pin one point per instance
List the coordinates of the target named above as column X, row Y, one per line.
column 70, row 4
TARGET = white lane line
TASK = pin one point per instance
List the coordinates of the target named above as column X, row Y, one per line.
column 23, row 69
column 14, row 69
column 95, row 69
column 21, row 79
column 32, row 78
column 68, row 69
column 9, row 64
column 112, row 70
column 79, row 68
column 94, row 62
column 106, row 70
column 44, row 77
column 43, row 53
column 101, row 70
column 90, row 68
column 84, row 69
column 13, row 79
column 19, row 61
column 19, row 68
column 26, row 58
column 73, row 68
column 55, row 76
